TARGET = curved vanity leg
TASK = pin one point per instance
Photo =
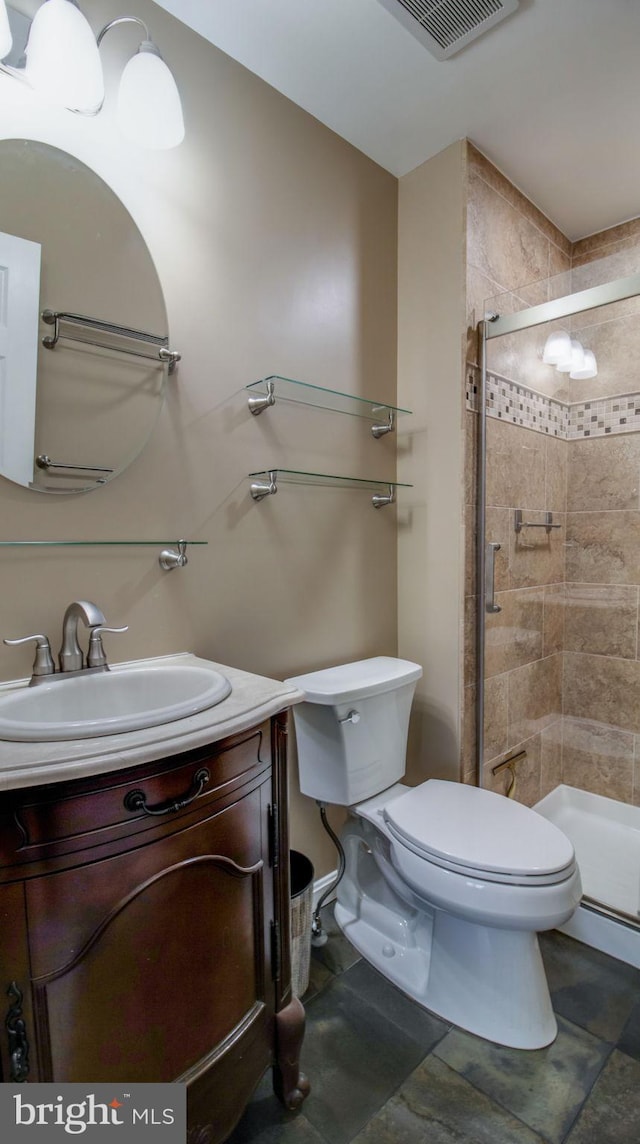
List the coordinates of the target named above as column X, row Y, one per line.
column 289, row 1084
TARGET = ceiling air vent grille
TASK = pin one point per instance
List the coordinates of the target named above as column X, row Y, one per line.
column 446, row 26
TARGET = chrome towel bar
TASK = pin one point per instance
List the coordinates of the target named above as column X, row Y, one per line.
column 56, row 318
column 547, row 523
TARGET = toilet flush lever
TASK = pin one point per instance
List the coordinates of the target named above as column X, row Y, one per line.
column 352, row 717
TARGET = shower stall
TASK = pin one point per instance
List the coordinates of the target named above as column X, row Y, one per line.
column 558, row 572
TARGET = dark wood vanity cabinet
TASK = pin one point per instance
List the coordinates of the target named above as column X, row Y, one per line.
column 144, row 922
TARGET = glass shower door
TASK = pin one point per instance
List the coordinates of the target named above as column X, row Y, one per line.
column 558, row 564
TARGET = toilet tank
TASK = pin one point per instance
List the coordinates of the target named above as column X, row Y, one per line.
column 351, row 730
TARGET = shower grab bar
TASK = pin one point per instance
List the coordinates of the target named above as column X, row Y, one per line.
column 547, row 523
column 490, row 577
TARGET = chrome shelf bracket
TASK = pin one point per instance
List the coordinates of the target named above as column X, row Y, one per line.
column 261, row 489
column 379, row 500
column 257, row 404
column 169, row 357
column 171, row 558
column 386, row 427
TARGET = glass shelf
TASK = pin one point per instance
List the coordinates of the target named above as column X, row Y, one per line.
column 170, row 557
column 95, row 543
column 265, row 483
column 270, row 390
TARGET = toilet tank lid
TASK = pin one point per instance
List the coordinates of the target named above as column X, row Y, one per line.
column 358, row 680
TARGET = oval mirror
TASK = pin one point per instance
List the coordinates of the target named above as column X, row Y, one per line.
column 74, row 415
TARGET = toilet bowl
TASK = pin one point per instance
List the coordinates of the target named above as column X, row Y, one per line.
column 446, row 886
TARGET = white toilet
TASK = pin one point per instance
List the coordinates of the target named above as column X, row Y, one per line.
column 446, row 886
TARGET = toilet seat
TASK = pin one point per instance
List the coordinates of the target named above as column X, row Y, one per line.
column 479, row 834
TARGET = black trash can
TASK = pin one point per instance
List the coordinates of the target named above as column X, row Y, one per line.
column 301, row 872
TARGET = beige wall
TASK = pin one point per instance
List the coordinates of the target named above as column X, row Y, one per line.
column 430, row 453
column 275, row 242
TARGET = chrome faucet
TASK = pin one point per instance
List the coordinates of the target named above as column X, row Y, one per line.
column 70, row 657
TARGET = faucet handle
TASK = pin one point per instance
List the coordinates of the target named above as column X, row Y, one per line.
column 43, row 663
column 96, row 656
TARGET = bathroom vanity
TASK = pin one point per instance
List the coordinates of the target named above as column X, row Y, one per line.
column 144, row 907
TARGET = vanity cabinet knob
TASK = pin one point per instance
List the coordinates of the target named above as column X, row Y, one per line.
column 43, row 663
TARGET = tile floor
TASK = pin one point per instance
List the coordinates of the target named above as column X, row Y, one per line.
column 384, row 1071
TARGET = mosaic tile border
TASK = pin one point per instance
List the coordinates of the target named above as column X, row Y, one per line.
column 607, row 415
column 517, row 404
column 521, row 406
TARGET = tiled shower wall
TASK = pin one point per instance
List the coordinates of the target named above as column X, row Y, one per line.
column 601, row 692
column 562, row 673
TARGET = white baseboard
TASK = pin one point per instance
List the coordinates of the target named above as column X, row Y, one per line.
column 320, row 885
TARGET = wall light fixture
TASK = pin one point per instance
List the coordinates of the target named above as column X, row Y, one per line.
column 569, row 356
column 63, row 64
column 574, row 359
column 588, row 368
column 556, row 347
column 6, row 39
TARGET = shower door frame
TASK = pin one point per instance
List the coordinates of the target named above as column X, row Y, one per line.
column 492, row 326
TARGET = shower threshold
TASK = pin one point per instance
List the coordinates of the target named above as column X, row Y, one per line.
column 606, row 838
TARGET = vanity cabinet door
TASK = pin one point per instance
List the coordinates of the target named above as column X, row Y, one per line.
column 152, row 944
column 17, row 1016
column 173, row 964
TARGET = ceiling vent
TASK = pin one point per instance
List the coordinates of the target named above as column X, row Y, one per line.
column 446, row 26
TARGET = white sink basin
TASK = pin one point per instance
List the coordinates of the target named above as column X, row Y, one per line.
column 127, row 698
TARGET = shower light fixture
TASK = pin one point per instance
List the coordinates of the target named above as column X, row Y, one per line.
column 63, row 64
column 573, row 360
column 588, row 368
column 569, row 356
column 556, row 347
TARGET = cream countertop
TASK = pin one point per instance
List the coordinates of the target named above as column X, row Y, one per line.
column 252, row 699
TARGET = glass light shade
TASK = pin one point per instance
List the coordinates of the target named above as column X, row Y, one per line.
column 575, row 360
column 149, row 108
column 589, row 367
column 6, row 39
column 63, row 62
column 557, row 347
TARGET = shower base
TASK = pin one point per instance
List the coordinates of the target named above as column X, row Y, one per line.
column 606, row 838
